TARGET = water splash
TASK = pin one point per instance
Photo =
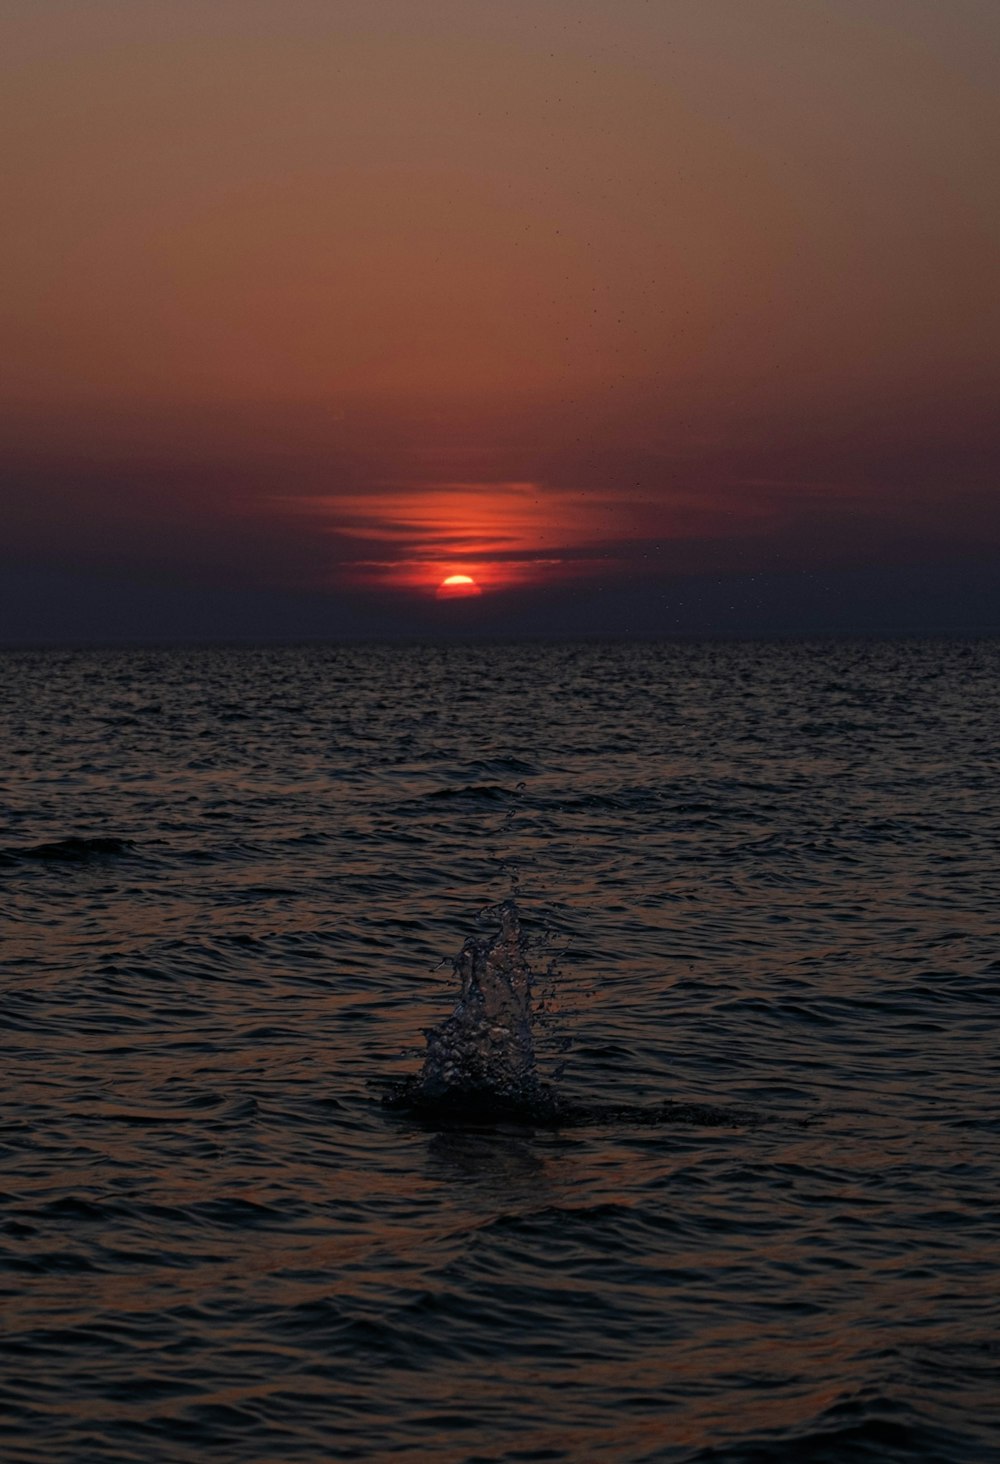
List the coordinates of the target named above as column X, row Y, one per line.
column 485, row 1050
column 480, row 1063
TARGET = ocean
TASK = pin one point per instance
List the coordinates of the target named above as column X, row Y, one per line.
column 757, row 891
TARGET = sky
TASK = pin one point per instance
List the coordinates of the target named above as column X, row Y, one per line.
column 653, row 317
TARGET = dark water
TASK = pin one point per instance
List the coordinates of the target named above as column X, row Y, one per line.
column 768, row 879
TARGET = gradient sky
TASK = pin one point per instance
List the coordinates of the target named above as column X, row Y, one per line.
column 653, row 316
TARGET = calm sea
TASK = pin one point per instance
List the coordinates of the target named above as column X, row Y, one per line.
column 232, row 882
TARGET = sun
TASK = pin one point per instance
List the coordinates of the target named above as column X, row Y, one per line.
column 457, row 587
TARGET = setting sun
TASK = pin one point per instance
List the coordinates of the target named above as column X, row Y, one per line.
column 457, row 586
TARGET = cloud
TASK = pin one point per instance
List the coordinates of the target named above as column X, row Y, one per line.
column 412, row 534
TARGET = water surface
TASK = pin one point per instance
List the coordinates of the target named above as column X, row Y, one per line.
column 232, row 885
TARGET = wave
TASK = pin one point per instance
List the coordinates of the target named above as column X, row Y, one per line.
column 72, row 850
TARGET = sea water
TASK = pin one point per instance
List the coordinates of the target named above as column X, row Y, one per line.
column 735, row 908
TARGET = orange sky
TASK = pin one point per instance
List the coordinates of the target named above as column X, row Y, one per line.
column 351, row 294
